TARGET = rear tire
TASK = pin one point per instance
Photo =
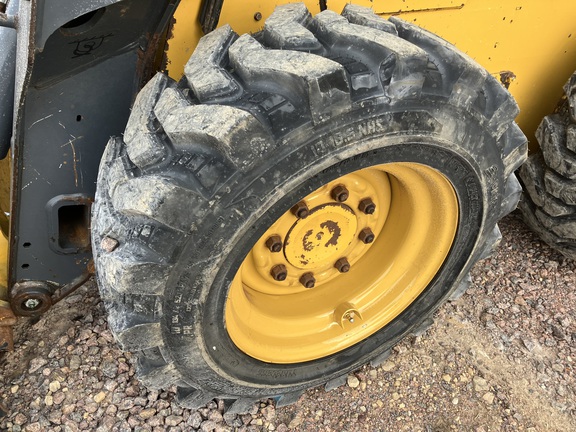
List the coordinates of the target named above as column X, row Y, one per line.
column 548, row 205
column 208, row 165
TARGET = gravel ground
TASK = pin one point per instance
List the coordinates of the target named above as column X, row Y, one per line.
column 500, row 358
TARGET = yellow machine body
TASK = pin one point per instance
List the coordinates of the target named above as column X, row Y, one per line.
column 529, row 45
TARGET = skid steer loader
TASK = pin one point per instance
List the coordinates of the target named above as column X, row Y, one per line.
column 273, row 194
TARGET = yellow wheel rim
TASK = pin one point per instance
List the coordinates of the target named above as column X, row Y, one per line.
column 365, row 247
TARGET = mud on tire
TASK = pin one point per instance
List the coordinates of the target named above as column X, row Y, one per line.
column 548, row 205
column 207, row 165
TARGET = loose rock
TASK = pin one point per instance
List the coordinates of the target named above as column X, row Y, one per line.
column 462, row 374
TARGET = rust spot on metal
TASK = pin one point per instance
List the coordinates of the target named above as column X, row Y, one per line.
column 366, row 235
column 6, row 338
column 342, row 265
column 74, row 159
column 73, row 223
column 31, row 298
column 7, row 317
column 334, row 229
column 307, row 245
column 7, row 320
column 367, row 206
column 148, row 61
column 274, row 243
column 340, row 193
column 436, row 9
column 300, row 210
column 506, row 78
column 308, row 280
column 279, row 272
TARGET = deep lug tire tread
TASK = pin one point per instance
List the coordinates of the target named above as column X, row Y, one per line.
column 288, row 398
column 177, row 155
column 205, row 71
column 548, row 204
column 380, row 359
column 335, row 383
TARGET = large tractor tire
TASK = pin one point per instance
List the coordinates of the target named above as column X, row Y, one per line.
column 549, row 176
column 300, row 201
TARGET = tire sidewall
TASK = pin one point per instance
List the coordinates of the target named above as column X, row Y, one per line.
column 438, row 136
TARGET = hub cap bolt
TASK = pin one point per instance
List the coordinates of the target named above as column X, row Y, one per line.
column 279, row 272
column 366, row 236
column 300, row 210
column 367, row 206
column 340, row 193
column 308, row 280
column 274, row 243
column 342, row 265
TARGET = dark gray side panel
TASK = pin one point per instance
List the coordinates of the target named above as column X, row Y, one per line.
column 7, row 74
column 76, row 96
column 65, row 137
column 52, row 14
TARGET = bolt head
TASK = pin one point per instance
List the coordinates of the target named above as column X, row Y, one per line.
column 366, row 236
column 340, row 193
column 279, row 272
column 342, row 265
column 32, row 304
column 300, row 210
column 367, row 206
column 257, row 16
column 308, row 280
column 274, row 243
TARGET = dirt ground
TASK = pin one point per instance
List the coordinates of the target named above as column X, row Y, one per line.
column 502, row 357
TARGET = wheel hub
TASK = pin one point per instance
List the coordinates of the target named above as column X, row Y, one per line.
column 322, row 237
column 342, row 263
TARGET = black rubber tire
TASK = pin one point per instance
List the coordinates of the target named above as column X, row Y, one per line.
column 548, row 204
column 207, row 164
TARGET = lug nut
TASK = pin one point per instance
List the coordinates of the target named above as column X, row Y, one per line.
column 367, row 206
column 274, row 243
column 300, row 210
column 279, row 272
column 340, row 193
column 342, row 265
column 308, row 280
column 366, row 235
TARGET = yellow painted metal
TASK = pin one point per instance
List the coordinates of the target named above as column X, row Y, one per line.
column 414, row 225
column 186, row 33
column 246, row 16
column 534, row 40
column 3, row 267
column 5, row 172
